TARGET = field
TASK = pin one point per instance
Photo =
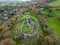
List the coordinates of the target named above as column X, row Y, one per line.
column 55, row 3
column 26, row 28
column 53, row 22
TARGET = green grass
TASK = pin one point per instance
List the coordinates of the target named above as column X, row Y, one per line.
column 54, row 3
column 13, row 4
column 13, row 32
column 55, row 24
column 25, row 15
column 27, row 29
column 53, row 13
column 45, row 12
column 56, row 12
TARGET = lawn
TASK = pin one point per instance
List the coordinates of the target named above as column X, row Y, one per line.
column 55, row 24
column 26, row 15
column 55, row 3
column 52, row 21
column 53, row 13
column 27, row 29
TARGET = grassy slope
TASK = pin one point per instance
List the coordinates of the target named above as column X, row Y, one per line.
column 21, row 18
column 27, row 29
column 55, row 3
column 54, row 12
column 53, row 22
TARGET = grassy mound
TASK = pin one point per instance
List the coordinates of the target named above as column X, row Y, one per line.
column 27, row 29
